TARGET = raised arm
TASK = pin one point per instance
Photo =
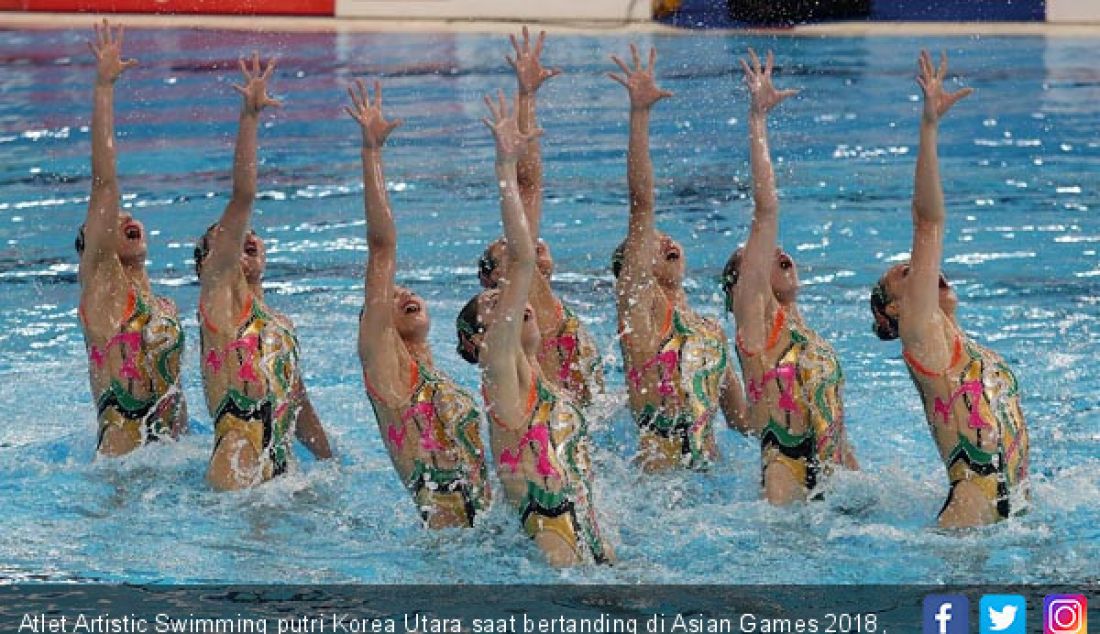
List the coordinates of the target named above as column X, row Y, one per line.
column 529, row 76
column 377, row 322
column 226, row 241
column 641, row 238
column 753, row 294
column 101, row 223
column 502, row 337
column 917, row 319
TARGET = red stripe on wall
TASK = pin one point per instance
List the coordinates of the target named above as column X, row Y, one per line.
column 230, row 7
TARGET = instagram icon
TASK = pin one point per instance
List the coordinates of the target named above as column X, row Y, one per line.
column 1065, row 614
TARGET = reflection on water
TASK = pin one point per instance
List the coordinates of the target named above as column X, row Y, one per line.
column 1020, row 159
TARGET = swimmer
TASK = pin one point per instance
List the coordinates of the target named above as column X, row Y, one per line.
column 793, row 375
column 676, row 361
column 538, row 433
column 569, row 356
column 430, row 426
column 133, row 337
column 971, row 398
column 249, row 358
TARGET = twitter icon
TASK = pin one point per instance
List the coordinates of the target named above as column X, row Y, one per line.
column 1002, row 614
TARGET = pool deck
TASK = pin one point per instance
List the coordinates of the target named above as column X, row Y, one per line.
column 19, row 20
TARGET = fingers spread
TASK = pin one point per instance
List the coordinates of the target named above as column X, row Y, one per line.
column 362, row 87
column 622, row 65
column 539, row 42
column 270, row 68
column 755, row 61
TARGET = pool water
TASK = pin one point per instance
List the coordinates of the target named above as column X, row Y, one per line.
column 1020, row 160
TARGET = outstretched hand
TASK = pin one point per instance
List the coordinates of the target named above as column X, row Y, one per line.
column 639, row 81
column 529, row 70
column 759, row 82
column 369, row 114
column 937, row 101
column 254, row 89
column 511, row 143
column 107, row 49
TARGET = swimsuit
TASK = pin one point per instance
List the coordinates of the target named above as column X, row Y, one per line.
column 556, row 497
column 984, row 401
column 690, row 364
column 808, row 382
column 580, row 358
column 149, row 342
column 265, row 351
column 444, row 420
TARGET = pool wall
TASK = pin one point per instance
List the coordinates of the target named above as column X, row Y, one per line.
column 691, row 14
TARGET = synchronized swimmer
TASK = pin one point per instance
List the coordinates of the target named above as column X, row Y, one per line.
column 540, row 368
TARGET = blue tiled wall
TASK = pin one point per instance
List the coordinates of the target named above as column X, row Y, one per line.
column 714, row 13
column 960, row 10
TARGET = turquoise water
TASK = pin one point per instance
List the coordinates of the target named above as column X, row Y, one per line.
column 1020, row 163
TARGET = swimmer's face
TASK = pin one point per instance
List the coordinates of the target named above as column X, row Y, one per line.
column 496, row 255
column 530, row 337
column 668, row 267
column 410, row 315
column 784, row 277
column 493, row 263
column 896, row 283
column 132, row 246
column 253, row 257
column 544, row 262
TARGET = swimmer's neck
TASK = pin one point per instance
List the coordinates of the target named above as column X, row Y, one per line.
column 421, row 352
column 257, row 288
column 675, row 295
column 137, row 275
column 791, row 309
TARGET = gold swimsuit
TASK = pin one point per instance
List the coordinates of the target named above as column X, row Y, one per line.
column 150, row 343
column 264, row 356
column 580, row 371
column 557, row 497
column 808, row 381
column 690, row 365
column 444, row 420
column 983, row 413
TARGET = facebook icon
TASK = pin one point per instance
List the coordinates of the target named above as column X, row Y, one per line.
column 946, row 614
